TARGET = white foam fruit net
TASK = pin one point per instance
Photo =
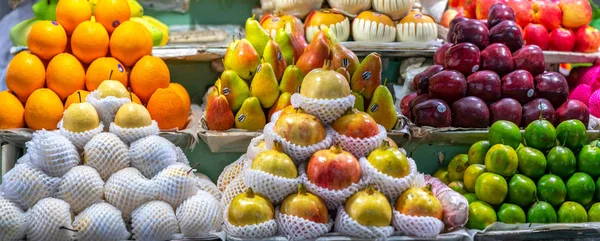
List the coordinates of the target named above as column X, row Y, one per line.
column 253, row 149
column 152, row 154
column 175, row 184
column 128, row 189
column 205, row 184
column 296, row 228
column 417, row 226
column 333, row 198
column 154, row 220
column 199, row 214
column 261, row 230
column 13, row 221
column 360, row 147
column 106, row 107
column 24, row 159
column 106, row 153
column 233, row 189
column 47, row 217
column 25, row 185
column 455, row 206
column 81, row 187
column 79, row 139
column 298, row 153
column 130, row 135
column 230, row 172
column 276, row 116
column 99, row 222
column 52, row 153
column 275, row 188
column 391, row 187
column 328, row 110
column 346, row 225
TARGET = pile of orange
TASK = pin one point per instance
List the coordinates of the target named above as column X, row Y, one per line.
column 71, row 55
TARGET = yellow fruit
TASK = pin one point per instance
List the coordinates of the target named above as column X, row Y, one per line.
column 161, row 26
column 100, row 70
column 419, row 202
column 149, row 74
column 89, row 42
column 276, row 163
column 250, row 208
column 167, row 109
column 47, row 39
column 111, row 13
column 11, row 115
column 132, row 115
column 130, row 42
column 112, row 88
column 65, row 75
column 25, row 73
column 43, row 110
column 74, row 98
column 369, row 207
column 80, row 117
column 70, row 13
column 135, row 98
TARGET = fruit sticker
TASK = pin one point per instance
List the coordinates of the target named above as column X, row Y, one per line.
column 345, row 62
column 530, row 93
column 441, row 108
column 226, row 91
column 120, row 68
column 242, row 118
column 279, row 56
column 274, row 20
column 475, row 68
column 542, row 106
column 258, row 68
column 116, row 23
column 418, row 15
column 54, row 23
column 366, row 75
column 374, row 107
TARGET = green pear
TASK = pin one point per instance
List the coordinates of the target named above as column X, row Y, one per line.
column 234, row 88
column 283, row 101
column 264, row 85
column 242, row 58
column 257, row 35
column 273, row 56
column 18, row 33
column 284, row 39
column 359, row 102
column 45, row 10
column 367, row 76
column 382, row 108
column 291, row 79
column 156, row 34
column 250, row 116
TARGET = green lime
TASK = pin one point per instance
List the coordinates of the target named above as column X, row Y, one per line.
column 572, row 212
column 442, row 174
column 480, row 215
column 572, row 134
column 541, row 212
column 581, row 188
column 471, row 175
column 561, row 161
column 597, row 193
column 510, row 213
column 458, row 186
column 457, row 167
column 594, row 213
column 502, row 159
column 471, row 197
column 521, row 190
column 588, row 160
column 595, row 143
column 532, row 163
column 477, row 152
column 552, row 189
column 491, row 188
column 541, row 135
column 504, row 132
column 520, row 147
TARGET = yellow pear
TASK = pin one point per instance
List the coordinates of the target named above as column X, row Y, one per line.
column 80, row 117
column 112, row 88
column 132, row 115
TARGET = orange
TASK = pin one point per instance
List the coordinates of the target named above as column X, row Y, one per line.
column 47, row 39
column 70, row 13
column 74, row 98
column 11, row 115
column 24, row 74
column 100, row 71
column 149, row 74
column 43, row 110
column 130, row 42
column 167, row 109
column 182, row 92
column 89, row 41
column 111, row 13
column 65, row 75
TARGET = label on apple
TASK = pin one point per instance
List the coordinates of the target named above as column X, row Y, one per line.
column 530, row 93
column 475, row 68
column 374, row 108
column 542, row 106
column 226, row 91
column 366, row 75
column 242, row 118
column 441, row 108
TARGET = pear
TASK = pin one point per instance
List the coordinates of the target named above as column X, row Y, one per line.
column 133, row 115
column 242, row 58
column 285, row 44
column 234, row 88
column 283, row 101
column 274, row 56
column 316, row 53
column 291, row 80
column 112, row 88
column 214, row 92
column 343, row 57
column 382, row 108
column 367, row 75
column 219, row 116
column 257, row 36
column 264, row 85
column 359, row 101
column 250, row 116
column 344, row 72
column 80, row 117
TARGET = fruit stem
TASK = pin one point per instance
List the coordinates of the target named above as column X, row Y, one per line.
column 363, row 89
column 65, row 228
column 301, row 189
column 79, row 93
column 192, row 169
column 253, row 16
column 370, row 190
column 250, row 193
column 428, row 187
column 294, row 60
column 385, row 81
column 336, row 149
column 130, row 96
column 233, row 38
column 540, row 110
column 385, row 145
column 110, row 76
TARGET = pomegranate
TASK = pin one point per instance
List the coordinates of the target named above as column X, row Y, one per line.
column 369, row 207
column 325, row 83
column 250, row 208
column 419, row 202
column 356, row 124
column 275, row 162
column 389, row 161
column 334, row 169
column 305, row 205
column 300, row 129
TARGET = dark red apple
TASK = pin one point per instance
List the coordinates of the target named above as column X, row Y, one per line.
column 530, row 58
column 508, row 33
column 575, row 76
column 531, row 111
column 452, row 28
column 471, row 31
column 498, row 58
column 448, row 85
column 506, row 109
column 485, row 85
column 415, row 101
column 440, row 54
column 333, row 168
column 404, row 107
column 470, row 112
column 518, row 85
column 463, row 57
column 433, row 112
column 553, row 87
column 500, row 12
column 573, row 109
column 421, row 80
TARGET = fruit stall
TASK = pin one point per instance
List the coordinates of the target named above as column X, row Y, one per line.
column 302, row 120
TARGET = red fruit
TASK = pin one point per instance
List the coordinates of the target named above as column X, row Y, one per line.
column 518, row 85
column 530, row 58
column 334, row 169
column 483, row 7
column 553, row 87
column 506, row 109
column 531, row 111
column 562, row 39
column 440, row 54
column 485, row 85
column 546, row 13
column 448, row 85
column 356, row 124
column 421, row 80
column 498, row 58
column 536, row 34
column 404, row 104
column 219, row 116
column 573, row 109
column 463, row 57
column 433, row 112
column 522, row 9
column 508, row 33
column 470, row 112
column 587, row 40
column 498, row 13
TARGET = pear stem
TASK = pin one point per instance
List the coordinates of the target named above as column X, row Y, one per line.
column 79, row 93
column 130, row 96
column 65, row 228
column 110, row 76
column 293, row 60
column 363, row 89
column 192, row 169
column 385, row 81
column 253, row 16
column 428, row 187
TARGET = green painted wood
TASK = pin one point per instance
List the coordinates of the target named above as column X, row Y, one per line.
column 210, row 12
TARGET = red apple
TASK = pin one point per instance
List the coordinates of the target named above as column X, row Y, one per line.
column 587, row 40
column 456, row 3
column 536, row 34
column 448, row 85
column 573, row 109
column 575, row 13
column 546, row 13
column 470, row 7
column 448, row 16
column 404, row 107
column 483, row 7
column 518, row 85
column 440, row 54
column 334, row 169
column 433, row 112
column 522, row 9
column 499, row 12
column 562, row 39
column 530, row 58
column 506, row 109
column 470, row 112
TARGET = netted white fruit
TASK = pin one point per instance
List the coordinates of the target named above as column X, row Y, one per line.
column 52, row 153
column 130, row 135
column 50, row 220
column 175, row 184
column 26, row 184
column 200, row 214
column 154, row 220
column 181, row 157
column 205, row 184
column 100, row 222
column 230, row 172
column 106, row 107
column 13, row 221
column 106, row 153
column 24, row 159
column 128, row 189
column 152, row 154
column 79, row 139
column 81, row 187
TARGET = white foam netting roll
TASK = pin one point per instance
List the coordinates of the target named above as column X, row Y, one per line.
column 200, row 214
column 253, row 149
column 130, row 135
column 175, row 183
column 128, row 189
column 154, row 221
column 106, row 153
column 298, row 153
column 79, row 139
column 346, row 225
column 100, row 222
column 261, row 230
column 24, row 159
column 106, row 107
column 296, row 228
column 230, row 172
column 205, row 184
column 13, row 221
column 47, row 217
column 455, row 206
column 328, row 110
column 81, row 187
column 333, row 198
column 152, row 154
column 26, row 184
column 360, row 147
column 233, row 189
column 52, row 153
column 275, row 188
column 417, row 226
column 391, row 187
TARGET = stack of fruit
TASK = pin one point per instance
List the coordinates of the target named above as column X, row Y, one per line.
column 557, row 159
column 552, row 25
column 68, row 57
column 501, row 79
